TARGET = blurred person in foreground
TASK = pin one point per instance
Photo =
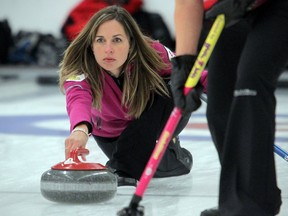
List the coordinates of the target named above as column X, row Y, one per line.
column 244, row 67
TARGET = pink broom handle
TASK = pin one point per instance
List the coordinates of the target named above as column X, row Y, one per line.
column 159, row 150
column 176, row 114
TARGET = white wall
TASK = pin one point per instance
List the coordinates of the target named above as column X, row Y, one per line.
column 47, row 16
column 163, row 7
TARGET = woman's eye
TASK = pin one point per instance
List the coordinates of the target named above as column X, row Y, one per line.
column 117, row 40
column 99, row 40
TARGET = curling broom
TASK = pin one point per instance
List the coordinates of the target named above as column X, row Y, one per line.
column 134, row 209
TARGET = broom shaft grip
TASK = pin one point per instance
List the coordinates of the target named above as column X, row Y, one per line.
column 204, row 54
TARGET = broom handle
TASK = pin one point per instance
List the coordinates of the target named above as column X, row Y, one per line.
column 176, row 114
column 282, row 153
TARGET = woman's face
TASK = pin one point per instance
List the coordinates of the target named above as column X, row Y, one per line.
column 111, row 46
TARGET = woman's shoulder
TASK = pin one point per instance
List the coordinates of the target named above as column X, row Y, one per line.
column 160, row 48
column 157, row 45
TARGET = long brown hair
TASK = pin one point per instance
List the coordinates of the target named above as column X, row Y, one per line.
column 141, row 78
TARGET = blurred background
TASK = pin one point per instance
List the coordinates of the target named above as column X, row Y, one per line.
column 34, row 33
column 47, row 16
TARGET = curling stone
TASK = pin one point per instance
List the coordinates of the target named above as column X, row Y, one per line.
column 77, row 181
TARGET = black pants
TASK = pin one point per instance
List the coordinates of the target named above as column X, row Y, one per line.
column 243, row 73
column 131, row 151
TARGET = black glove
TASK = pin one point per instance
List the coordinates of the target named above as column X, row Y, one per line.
column 233, row 10
column 182, row 66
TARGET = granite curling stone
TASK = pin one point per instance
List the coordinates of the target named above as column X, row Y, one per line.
column 76, row 181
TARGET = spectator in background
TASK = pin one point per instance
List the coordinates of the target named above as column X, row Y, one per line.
column 151, row 24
